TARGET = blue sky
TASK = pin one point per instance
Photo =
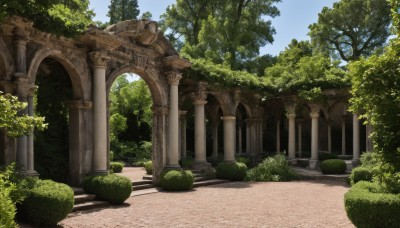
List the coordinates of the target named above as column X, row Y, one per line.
column 295, row 17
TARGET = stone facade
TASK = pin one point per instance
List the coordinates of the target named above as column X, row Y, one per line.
column 239, row 121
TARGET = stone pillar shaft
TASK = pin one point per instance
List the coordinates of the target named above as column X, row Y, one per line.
column 356, row 138
column 229, row 138
column 343, row 136
column 173, row 118
column 278, row 136
column 329, row 138
column 30, row 157
column 183, row 133
column 22, row 143
column 199, row 131
column 215, row 140
column 292, row 136
column 314, row 135
column 300, row 138
column 239, row 139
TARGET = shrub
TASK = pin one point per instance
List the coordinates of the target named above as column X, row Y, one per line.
column 186, row 162
column 360, row 174
column 333, row 166
column 369, row 159
column 322, row 156
column 7, row 209
column 140, row 162
column 215, row 161
column 367, row 205
column 175, row 180
column 235, row 171
column 113, row 188
column 148, row 166
column 116, row 167
column 274, row 168
column 47, row 203
column 243, row 160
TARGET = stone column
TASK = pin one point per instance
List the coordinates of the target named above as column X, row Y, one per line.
column 173, row 115
column 229, row 138
column 182, row 115
column 30, row 158
column 260, row 124
column 100, row 161
column 299, row 128
column 159, row 141
column 199, row 134
column 239, row 134
column 356, row 139
column 215, row 139
column 291, row 109
column 20, row 54
column 278, row 136
column 249, row 137
column 329, row 136
column 343, row 135
column 314, row 136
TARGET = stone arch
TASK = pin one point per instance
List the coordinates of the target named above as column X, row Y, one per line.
column 158, row 86
column 81, row 82
column 6, row 62
column 247, row 109
column 223, row 101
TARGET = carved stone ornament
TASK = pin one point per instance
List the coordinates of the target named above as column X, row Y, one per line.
column 99, row 58
column 140, row 61
column 174, row 77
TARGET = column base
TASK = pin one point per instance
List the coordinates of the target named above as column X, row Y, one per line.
column 32, row 173
column 172, row 167
column 202, row 166
column 355, row 162
column 99, row 172
column 292, row 161
column 313, row 163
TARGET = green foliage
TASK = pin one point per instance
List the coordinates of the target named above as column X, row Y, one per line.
column 47, row 203
column 367, row 205
column 175, row 180
column 244, row 160
column 7, row 209
column 116, row 167
column 353, row 28
column 274, row 168
column 122, row 10
column 186, row 162
column 12, row 123
column 301, row 69
column 215, row 29
column 68, row 18
column 360, row 174
column 148, row 166
column 113, row 188
column 376, row 94
column 333, row 166
column 370, row 159
column 234, row 171
column 322, row 156
column 223, row 77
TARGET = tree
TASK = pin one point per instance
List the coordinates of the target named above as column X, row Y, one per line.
column 121, row 10
column 13, row 124
column 300, row 68
column 68, row 18
column 352, row 28
column 229, row 32
column 146, row 15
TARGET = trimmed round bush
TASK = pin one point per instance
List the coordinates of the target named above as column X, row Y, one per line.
column 113, row 188
column 148, row 166
column 235, row 171
column 47, row 203
column 333, row 166
column 175, row 180
column 322, row 156
column 360, row 174
column 116, row 167
column 367, row 206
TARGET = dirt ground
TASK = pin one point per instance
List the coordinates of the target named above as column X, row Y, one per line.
column 235, row 204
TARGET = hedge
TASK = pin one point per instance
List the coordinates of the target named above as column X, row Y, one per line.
column 116, row 167
column 360, row 174
column 333, row 166
column 175, row 180
column 112, row 188
column 235, row 171
column 367, row 205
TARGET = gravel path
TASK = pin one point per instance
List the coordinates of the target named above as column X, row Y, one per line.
column 235, row 204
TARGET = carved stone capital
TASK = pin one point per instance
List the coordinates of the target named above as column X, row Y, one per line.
column 159, row 110
column 315, row 108
column 291, row 116
column 314, row 115
column 290, row 108
column 174, row 77
column 182, row 115
column 199, row 101
column 99, row 58
column 25, row 89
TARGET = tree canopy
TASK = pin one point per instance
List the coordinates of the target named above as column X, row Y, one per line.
column 352, row 28
column 121, row 10
column 229, row 32
column 68, row 18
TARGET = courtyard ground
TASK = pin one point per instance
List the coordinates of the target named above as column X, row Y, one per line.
column 235, row 204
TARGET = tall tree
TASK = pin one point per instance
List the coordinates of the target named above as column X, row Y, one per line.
column 121, row 10
column 227, row 31
column 68, row 18
column 352, row 28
